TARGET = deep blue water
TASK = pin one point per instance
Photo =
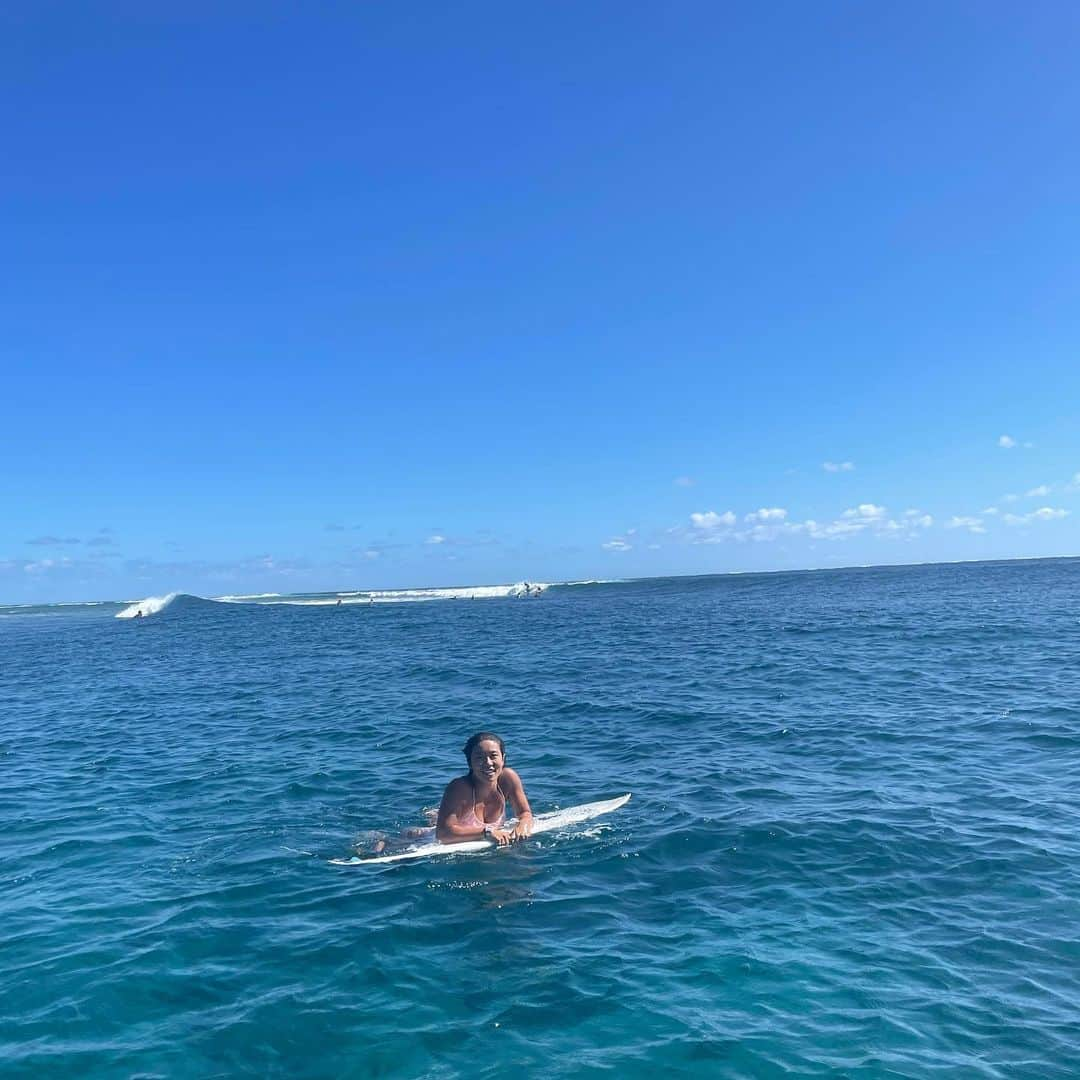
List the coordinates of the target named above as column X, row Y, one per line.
column 851, row 852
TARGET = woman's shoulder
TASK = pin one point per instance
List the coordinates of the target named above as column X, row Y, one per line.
column 509, row 776
column 459, row 786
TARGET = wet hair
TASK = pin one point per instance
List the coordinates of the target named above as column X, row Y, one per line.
column 479, row 737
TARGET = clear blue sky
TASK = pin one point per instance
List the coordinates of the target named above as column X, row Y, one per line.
column 353, row 295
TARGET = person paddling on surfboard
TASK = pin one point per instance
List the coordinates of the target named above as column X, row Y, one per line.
column 474, row 805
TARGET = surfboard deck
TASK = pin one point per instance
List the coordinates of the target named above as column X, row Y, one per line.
column 542, row 823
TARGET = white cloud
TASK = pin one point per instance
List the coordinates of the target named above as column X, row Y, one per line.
column 916, row 519
column 1010, row 498
column 774, row 513
column 834, row 530
column 838, row 466
column 972, row 524
column 773, row 523
column 1006, row 442
column 1044, row 513
column 990, row 510
column 865, row 512
column 616, row 544
column 435, row 539
column 684, row 481
column 370, row 553
column 41, row 566
column 710, row 520
column 1038, row 492
column 709, row 527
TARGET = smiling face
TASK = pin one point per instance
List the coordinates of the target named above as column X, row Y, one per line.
column 486, row 761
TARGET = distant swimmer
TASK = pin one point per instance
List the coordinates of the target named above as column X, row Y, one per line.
column 339, row 603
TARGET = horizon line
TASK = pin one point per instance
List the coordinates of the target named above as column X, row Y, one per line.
column 582, row 581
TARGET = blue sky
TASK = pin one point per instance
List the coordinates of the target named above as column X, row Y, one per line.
column 346, row 296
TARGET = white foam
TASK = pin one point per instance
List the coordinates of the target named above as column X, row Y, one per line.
column 150, row 606
column 245, row 596
column 519, row 590
column 399, row 596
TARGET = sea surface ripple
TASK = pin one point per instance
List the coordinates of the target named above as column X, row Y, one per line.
column 852, row 849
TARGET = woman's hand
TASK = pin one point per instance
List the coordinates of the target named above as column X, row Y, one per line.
column 522, row 830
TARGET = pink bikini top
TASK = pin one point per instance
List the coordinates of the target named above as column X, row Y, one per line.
column 471, row 821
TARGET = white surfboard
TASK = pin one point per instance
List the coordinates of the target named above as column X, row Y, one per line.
column 542, row 823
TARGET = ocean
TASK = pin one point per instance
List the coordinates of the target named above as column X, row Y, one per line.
column 853, row 847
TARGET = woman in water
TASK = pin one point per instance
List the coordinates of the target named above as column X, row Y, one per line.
column 474, row 805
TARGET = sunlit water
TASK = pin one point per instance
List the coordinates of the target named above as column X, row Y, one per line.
column 852, row 849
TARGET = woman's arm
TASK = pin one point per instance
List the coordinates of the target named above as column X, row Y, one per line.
column 515, row 793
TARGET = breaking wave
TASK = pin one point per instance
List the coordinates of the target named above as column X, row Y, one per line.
column 520, row 590
column 154, row 605
column 150, row 606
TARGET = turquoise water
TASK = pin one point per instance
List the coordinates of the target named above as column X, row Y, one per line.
column 851, row 851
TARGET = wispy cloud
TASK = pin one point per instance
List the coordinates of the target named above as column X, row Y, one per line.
column 871, row 519
column 60, row 566
column 1038, row 492
column 772, row 523
column 865, row 512
column 623, row 542
column 774, row 513
column 435, row 538
column 839, row 466
column 334, row 526
column 972, row 524
column 918, row 519
column 53, row 541
column 378, row 548
column 1044, row 513
column 40, row 566
column 1006, row 442
column 684, row 481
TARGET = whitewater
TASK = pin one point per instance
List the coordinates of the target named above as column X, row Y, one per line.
column 153, row 605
